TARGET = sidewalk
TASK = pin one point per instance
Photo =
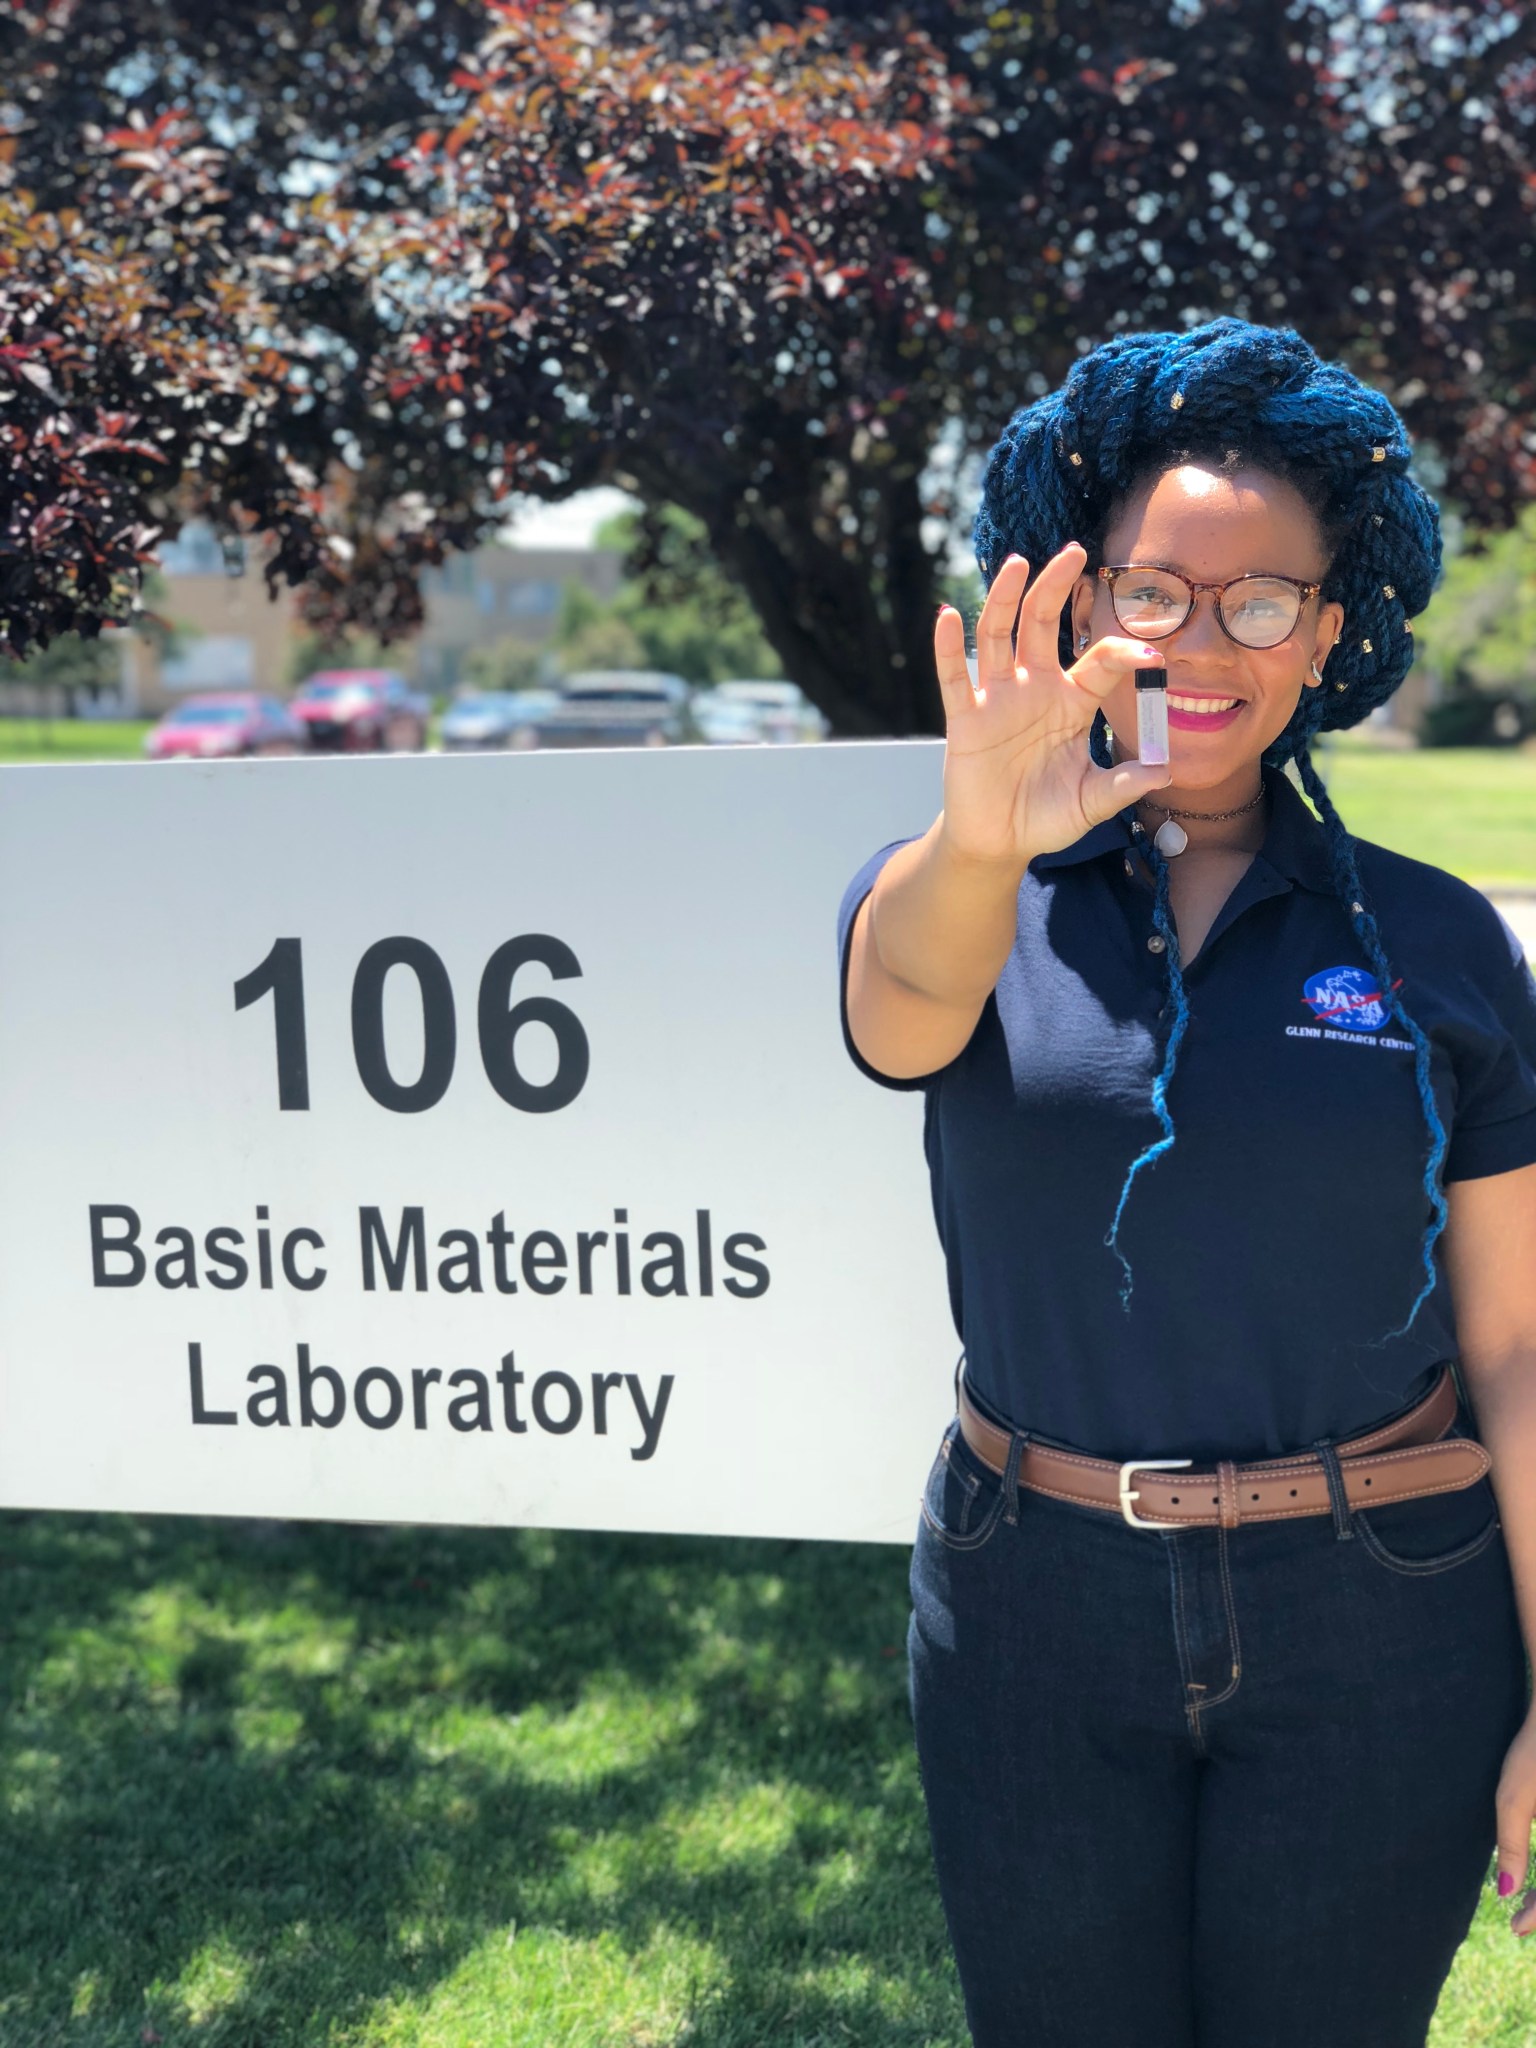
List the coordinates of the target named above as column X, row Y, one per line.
column 1521, row 912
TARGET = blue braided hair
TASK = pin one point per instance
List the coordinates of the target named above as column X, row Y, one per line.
column 1234, row 395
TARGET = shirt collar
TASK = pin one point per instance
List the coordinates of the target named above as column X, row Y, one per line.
column 1295, row 844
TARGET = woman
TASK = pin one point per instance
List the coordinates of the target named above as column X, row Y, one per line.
column 1231, row 1122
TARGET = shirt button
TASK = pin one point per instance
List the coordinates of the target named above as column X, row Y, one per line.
column 1157, row 943
column 1129, row 866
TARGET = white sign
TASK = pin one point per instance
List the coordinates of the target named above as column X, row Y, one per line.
column 460, row 1140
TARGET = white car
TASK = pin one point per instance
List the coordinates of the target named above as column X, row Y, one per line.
column 722, row 723
column 783, row 711
column 494, row 718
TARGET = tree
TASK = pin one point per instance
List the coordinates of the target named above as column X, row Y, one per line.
column 311, row 652
column 128, row 380
column 70, row 668
column 1478, row 640
column 760, row 263
column 76, row 667
column 506, row 664
column 684, row 611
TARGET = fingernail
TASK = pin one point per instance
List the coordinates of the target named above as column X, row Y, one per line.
column 1151, row 653
column 1506, row 1884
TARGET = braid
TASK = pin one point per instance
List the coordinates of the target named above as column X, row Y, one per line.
column 1162, row 917
column 1177, row 1001
column 1346, row 879
column 1237, row 395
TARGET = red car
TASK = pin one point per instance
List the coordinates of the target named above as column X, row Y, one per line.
column 362, row 710
column 222, row 724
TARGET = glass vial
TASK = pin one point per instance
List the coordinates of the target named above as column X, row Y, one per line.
column 1152, row 716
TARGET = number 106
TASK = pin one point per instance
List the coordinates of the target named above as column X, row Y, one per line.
column 281, row 975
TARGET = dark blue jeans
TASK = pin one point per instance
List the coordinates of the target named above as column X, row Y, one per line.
column 1209, row 1789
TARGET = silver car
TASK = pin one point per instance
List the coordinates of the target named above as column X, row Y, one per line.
column 618, row 708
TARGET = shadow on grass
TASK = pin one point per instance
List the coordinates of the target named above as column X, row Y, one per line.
column 345, row 1759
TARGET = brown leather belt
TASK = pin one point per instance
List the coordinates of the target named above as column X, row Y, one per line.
column 1398, row 1461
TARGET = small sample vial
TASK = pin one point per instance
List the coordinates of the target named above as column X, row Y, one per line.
column 1152, row 716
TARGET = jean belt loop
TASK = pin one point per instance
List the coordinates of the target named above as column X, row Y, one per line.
column 1018, row 1443
column 1343, row 1524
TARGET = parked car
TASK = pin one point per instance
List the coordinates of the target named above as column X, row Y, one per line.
column 224, row 723
column 783, row 710
column 618, row 708
column 352, row 710
column 722, row 722
column 495, row 718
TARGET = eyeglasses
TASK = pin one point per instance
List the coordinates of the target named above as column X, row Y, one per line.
column 1255, row 611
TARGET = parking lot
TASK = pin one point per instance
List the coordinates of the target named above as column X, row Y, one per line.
column 378, row 711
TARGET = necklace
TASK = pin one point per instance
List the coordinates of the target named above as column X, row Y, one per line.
column 1171, row 838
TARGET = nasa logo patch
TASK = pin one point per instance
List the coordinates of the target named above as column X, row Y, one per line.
column 1346, row 996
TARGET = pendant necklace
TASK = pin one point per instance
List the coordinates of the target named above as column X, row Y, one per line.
column 1171, row 838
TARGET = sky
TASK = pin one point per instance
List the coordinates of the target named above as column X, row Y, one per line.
column 570, row 524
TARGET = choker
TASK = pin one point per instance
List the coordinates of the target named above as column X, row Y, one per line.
column 1171, row 838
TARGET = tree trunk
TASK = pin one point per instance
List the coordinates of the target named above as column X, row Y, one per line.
column 852, row 621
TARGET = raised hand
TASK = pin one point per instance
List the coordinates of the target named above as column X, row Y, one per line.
column 1018, row 780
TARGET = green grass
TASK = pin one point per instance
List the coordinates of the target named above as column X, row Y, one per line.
column 72, row 739
column 1490, row 2000
column 309, row 1785
column 1469, row 809
column 456, row 1787
column 91, row 739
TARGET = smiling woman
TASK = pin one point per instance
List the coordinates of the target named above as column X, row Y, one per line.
column 1232, row 642
column 1211, row 1563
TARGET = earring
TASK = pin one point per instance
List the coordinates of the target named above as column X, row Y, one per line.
column 1082, row 642
column 1317, row 674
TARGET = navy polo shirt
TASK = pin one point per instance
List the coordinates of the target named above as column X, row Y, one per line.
column 1279, row 1242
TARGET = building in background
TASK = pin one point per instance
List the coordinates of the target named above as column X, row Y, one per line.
column 234, row 637
column 231, row 635
column 502, row 593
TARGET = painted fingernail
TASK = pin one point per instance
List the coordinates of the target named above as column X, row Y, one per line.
column 1151, row 653
column 1506, row 1884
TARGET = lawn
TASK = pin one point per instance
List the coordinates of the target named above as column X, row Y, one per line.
column 88, row 739
column 313, row 1785
column 72, row 739
column 300, row 1785
column 1469, row 809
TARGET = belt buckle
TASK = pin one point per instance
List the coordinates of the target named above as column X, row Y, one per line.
column 1128, row 1492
